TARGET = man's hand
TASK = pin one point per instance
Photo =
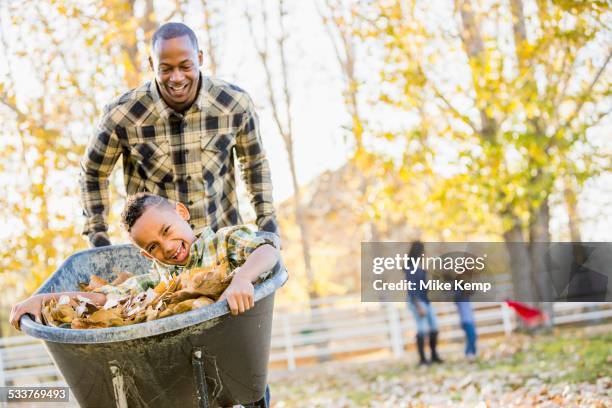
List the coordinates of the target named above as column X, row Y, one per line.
column 239, row 294
column 32, row 305
column 99, row 239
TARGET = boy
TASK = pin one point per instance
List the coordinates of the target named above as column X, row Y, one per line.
column 160, row 229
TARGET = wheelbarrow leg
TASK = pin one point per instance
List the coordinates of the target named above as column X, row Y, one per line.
column 118, row 386
column 200, row 377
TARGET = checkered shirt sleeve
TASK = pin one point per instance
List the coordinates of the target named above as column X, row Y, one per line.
column 229, row 244
column 97, row 164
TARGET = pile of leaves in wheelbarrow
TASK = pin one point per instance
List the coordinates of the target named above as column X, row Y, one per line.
column 191, row 289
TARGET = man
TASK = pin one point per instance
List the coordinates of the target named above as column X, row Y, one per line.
column 177, row 135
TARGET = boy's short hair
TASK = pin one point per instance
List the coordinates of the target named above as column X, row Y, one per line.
column 137, row 204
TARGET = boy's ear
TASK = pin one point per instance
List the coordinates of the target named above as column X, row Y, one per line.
column 145, row 254
column 183, row 211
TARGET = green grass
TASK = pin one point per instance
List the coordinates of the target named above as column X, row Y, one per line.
column 360, row 397
column 590, row 357
column 569, row 359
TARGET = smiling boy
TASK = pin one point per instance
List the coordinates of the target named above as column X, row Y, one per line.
column 161, row 230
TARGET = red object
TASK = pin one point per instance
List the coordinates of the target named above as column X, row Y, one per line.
column 530, row 315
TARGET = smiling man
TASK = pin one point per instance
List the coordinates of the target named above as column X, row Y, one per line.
column 177, row 135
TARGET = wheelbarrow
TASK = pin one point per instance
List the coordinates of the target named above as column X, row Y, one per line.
column 201, row 358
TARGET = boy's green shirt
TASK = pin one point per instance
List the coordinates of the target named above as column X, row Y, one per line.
column 229, row 244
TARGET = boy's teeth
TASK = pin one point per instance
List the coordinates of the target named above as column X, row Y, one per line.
column 178, row 250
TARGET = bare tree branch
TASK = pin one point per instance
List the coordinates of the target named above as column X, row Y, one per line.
column 343, row 43
column 210, row 45
column 588, row 91
column 262, row 51
column 464, row 118
column 285, row 129
column 285, row 74
column 473, row 43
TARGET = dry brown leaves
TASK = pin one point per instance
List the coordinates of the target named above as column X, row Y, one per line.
column 187, row 291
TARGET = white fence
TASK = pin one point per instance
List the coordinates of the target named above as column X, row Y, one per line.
column 341, row 327
column 349, row 327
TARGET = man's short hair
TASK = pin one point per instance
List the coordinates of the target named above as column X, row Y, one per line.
column 174, row 30
column 137, row 204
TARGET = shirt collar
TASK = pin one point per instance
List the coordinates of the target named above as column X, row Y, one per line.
column 164, row 111
column 203, row 236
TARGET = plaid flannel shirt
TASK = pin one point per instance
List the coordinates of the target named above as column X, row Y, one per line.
column 229, row 244
column 185, row 157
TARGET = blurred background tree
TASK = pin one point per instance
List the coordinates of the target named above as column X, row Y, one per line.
column 63, row 61
column 503, row 94
column 461, row 120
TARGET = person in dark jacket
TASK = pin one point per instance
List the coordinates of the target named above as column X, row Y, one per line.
column 421, row 308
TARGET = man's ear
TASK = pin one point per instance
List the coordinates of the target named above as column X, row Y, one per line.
column 151, row 64
column 145, row 254
column 183, row 211
column 200, row 58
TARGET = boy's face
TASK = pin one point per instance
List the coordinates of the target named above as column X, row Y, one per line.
column 164, row 234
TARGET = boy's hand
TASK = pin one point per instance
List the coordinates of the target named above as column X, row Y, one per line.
column 31, row 305
column 239, row 294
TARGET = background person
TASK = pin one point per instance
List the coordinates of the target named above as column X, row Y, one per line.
column 468, row 324
column 421, row 308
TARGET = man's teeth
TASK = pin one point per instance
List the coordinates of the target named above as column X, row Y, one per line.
column 178, row 88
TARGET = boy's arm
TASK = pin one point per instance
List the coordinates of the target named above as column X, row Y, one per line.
column 240, row 293
column 261, row 260
column 33, row 305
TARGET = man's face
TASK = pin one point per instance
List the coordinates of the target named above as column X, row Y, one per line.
column 176, row 65
column 163, row 233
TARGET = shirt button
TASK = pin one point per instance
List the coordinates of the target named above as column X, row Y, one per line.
column 192, row 226
column 190, row 202
column 188, row 178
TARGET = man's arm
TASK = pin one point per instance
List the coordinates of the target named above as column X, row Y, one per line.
column 255, row 170
column 96, row 165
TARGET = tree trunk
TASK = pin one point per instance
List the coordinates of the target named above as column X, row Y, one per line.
column 285, row 127
column 540, row 259
column 571, row 200
column 299, row 219
column 520, row 262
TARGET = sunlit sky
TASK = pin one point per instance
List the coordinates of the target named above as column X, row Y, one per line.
column 321, row 139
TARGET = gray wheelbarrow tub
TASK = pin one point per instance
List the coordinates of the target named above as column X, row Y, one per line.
column 152, row 361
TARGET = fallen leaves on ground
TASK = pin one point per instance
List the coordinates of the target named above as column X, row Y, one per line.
column 568, row 368
column 191, row 289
